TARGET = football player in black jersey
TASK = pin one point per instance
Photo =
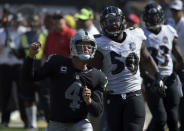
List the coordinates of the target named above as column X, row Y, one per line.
column 77, row 89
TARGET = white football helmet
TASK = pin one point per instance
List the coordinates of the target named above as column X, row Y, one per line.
column 83, row 36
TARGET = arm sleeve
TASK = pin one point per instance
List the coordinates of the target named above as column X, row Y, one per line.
column 30, row 74
column 96, row 107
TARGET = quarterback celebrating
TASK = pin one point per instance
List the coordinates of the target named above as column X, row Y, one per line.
column 120, row 51
column 77, row 89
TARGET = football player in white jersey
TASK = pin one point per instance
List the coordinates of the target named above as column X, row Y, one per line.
column 119, row 53
column 162, row 44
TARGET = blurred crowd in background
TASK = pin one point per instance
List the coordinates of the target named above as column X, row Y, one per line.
column 26, row 9
column 22, row 24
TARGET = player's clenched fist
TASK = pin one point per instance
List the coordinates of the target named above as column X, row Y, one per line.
column 34, row 49
column 86, row 94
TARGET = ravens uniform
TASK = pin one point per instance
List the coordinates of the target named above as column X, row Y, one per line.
column 162, row 45
column 119, row 53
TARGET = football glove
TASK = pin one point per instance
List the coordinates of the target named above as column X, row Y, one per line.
column 158, row 86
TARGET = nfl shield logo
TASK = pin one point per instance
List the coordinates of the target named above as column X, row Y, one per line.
column 165, row 40
column 132, row 46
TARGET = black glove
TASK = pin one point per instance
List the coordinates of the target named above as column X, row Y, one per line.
column 159, row 87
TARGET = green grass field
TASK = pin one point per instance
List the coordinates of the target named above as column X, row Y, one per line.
column 19, row 129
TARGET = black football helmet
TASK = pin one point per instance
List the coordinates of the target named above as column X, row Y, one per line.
column 153, row 15
column 112, row 21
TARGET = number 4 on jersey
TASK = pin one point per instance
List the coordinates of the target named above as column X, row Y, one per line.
column 72, row 93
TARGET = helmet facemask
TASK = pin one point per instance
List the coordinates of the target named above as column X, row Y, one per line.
column 85, row 50
column 83, row 45
column 153, row 16
column 112, row 21
column 112, row 25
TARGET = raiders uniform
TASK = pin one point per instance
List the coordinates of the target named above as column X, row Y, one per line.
column 160, row 47
column 67, row 104
column 121, row 61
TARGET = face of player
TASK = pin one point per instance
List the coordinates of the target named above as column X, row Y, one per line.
column 84, row 48
column 112, row 23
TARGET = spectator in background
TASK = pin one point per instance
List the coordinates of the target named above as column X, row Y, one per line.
column 177, row 14
column 133, row 20
column 10, row 67
column 48, row 23
column 58, row 41
column 29, row 89
column 85, row 21
column 22, row 24
column 6, row 10
column 70, row 21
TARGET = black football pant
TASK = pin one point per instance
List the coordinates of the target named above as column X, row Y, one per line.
column 181, row 113
column 181, row 106
column 164, row 110
column 125, row 114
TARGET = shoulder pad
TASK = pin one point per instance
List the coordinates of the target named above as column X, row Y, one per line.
column 97, row 35
column 171, row 29
column 49, row 57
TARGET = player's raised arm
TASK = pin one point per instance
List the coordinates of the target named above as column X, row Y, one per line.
column 34, row 49
column 29, row 73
